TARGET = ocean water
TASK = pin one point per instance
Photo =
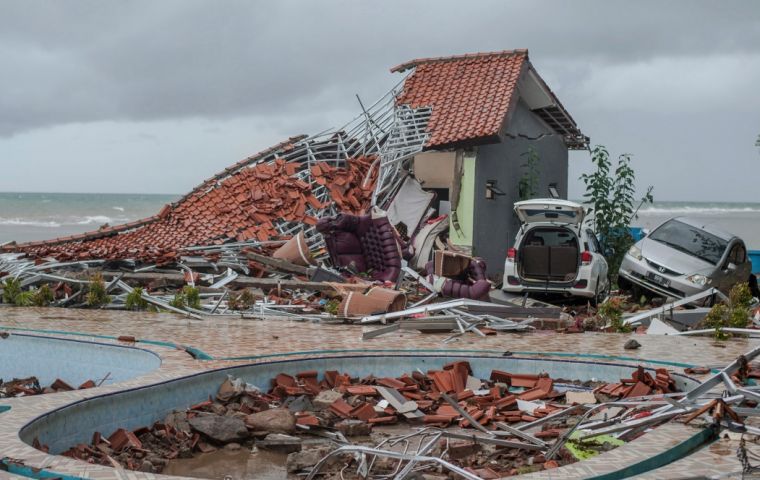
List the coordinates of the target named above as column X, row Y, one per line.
column 741, row 219
column 39, row 216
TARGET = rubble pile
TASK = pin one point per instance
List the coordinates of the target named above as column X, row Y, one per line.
column 24, row 387
column 486, row 422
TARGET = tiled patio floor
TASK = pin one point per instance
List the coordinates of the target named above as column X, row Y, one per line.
column 229, row 339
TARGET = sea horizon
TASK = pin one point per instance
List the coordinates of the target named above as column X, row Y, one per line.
column 28, row 216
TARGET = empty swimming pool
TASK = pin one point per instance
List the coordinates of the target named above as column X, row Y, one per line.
column 73, row 361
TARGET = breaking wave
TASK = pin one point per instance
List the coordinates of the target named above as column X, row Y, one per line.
column 120, row 209
column 28, row 223
column 700, row 210
column 94, row 220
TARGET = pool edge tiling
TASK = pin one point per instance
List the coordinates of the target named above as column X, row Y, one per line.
column 233, row 342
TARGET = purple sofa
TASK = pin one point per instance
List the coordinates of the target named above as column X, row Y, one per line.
column 364, row 244
column 472, row 284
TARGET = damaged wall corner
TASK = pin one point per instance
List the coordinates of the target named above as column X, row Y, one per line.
column 463, row 201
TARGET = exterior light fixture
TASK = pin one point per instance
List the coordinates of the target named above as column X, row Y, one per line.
column 492, row 191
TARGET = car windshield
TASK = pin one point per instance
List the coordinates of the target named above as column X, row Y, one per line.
column 691, row 240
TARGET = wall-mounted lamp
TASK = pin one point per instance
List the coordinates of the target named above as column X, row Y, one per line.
column 492, row 191
column 553, row 192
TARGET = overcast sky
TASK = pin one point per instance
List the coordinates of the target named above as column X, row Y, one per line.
column 154, row 96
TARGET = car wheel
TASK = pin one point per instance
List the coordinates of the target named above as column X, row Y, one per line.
column 600, row 296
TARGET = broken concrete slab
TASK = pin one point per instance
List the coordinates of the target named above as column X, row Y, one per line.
column 220, row 428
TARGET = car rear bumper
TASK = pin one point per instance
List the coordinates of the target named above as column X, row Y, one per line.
column 575, row 292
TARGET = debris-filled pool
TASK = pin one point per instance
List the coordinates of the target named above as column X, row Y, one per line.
column 486, row 415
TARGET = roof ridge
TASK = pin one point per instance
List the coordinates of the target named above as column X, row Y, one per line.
column 453, row 58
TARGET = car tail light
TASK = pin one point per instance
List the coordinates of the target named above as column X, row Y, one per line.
column 512, row 254
column 586, row 257
column 513, row 280
column 581, row 284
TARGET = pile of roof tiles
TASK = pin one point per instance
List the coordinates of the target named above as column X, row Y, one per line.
column 337, row 402
column 244, row 205
column 350, row 187
column 641, row 383
column 24, row 387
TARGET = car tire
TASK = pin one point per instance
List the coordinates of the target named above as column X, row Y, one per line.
column 600, row 296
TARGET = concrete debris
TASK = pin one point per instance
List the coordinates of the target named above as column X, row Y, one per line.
column 511, row 417
column 219, row 428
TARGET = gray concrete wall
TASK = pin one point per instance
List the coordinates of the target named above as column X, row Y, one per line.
column 495, row 224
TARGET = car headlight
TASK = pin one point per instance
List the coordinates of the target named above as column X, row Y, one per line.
column 635, row 252
column 698, row 279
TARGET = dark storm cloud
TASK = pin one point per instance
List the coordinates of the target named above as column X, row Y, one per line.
column 84, row 61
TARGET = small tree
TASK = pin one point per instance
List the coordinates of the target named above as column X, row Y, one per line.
column 612, row 195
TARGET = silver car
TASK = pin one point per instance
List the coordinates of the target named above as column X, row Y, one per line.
column 683, row 257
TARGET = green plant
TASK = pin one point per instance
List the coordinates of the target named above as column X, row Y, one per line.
column 611, row 196
column 135, row 300
column 24, row 299
column 97, row 296
column 527, row 187
column 192, row 296
column 611, row 312
column 178, row 301
column 187, row 297
column 331, row 306
column 11, row 289
column 43, row 296
column 731, row 314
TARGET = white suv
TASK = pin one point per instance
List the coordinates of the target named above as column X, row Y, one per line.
column 555, row 253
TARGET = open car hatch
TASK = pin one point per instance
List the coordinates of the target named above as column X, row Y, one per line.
column 549, row 210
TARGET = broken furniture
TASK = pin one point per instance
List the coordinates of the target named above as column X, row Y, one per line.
column 455, row 275
column 376, row 300
column 363, row 244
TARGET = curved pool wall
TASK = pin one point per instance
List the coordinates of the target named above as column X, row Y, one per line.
column 73, row 361
column 75, row 423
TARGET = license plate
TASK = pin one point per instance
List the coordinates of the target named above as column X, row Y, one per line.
column 658, row 279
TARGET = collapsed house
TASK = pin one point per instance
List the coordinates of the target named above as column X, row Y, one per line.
column 459, row 124
column 433, row 165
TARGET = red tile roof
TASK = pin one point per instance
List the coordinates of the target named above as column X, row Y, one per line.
column 470, row 95
column 240, row 203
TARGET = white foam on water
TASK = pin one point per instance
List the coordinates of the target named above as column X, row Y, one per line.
column 28, row 223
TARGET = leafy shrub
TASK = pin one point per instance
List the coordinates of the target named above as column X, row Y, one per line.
column 187, row 297
column 611, row 311
column 43, row 296
column 11, row 289
column 732, row 314
column 135, row 300
column 178, row 301
column 192, row 296
column 24, row 299
column 96, row 292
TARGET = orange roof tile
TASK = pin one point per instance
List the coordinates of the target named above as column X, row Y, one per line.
column 470, row 95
